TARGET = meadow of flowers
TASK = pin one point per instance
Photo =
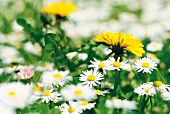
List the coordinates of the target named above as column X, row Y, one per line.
column 84, row 57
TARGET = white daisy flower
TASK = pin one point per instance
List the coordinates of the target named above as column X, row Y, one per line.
column 12, row 59
column 100, row 92
column 72, row 108
column 91, row 78
column 129, row 105
column 71, row 55
column 161, row 87
column 78, row 92
column 49, row 95
column 96, row 64
column 145, row 64
column 165, row 96
column 107, row 85
column 45, row 66
column 146, row 89
column 33, row 48
column 128, row 67
column 153, row 56
column 154, row 46
column 58, row 78
column 116, row 64
column 14, row 94
column 6, row 51
column 37, row 90
column 121, row 104
column 86, row 105
column 82, row 56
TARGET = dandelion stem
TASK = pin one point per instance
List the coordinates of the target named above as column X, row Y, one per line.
column 161, row 76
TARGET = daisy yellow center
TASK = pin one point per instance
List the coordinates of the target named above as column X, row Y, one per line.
column 91, row 77
column 155, row 46
column 147, row 90
column 119, row 100
column 101, row 65
column 145, row 64
column 116, row 64
column 84, row 103
column 98, row 92
column 38, row 88
column 157, row 83
column 152, row 55
column 71, row 109
column 107, row 86
column 78, row 92
column 44, row 64
column 47, row 93
column 12, row 93
column 57, row 75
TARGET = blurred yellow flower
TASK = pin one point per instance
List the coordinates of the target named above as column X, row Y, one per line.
column 120, row 41
column 60, row 8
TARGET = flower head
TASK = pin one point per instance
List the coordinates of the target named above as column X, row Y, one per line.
column 154, row 46
column 120, row 41
column 100, row 92
column 121, row 104
column 146, row 89
column 14, row 94
column 145, row 64
column 78, row 92
column 116, row 64
column 71, row 108
column 91, row 78
column 60, row 8
column 86, row 105
column 161, row 87
column 97, row 65
column 49, row 95
column 58, row 78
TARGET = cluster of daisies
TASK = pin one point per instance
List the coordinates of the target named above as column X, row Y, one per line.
column 152, row 88
column 145, row 65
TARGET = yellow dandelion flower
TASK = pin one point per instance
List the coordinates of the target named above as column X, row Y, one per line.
column 120, row 41
column 60, row 8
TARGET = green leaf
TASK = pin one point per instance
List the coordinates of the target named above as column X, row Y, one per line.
column 97, row 111
column 23, row 22
column 127, row 95
column 55, row 111
column 44, row 108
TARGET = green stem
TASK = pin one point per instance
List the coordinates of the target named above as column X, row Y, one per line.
column 140, row 103
column 161, row 76
column 116, row 81
column 151, row 104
